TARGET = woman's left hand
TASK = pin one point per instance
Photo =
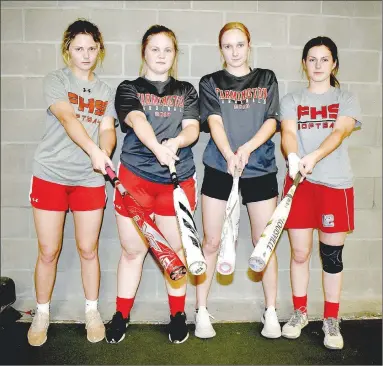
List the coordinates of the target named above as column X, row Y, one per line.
column 307, row 163
column 173, row 144
column 243, row 154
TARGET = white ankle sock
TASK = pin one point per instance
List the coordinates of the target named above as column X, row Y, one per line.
column 43, row 307
column 91, row 305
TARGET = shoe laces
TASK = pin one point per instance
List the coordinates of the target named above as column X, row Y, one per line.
column 332, row 325
column 92, row 318
column 40, row 321
column 204, row 311
column 296, row 318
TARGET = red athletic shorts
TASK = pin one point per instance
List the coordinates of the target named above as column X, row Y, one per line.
column 155, row 198
column 58, row 197
column 330, row 210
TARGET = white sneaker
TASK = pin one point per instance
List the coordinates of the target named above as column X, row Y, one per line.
column 37, row 334
column 203, row 327
column 272, row 328
column 292, row 329
column 332, row 337
column 95, row 329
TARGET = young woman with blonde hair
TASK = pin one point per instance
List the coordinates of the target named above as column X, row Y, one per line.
column 154, row 107
column 68, row 172
column 240, row 105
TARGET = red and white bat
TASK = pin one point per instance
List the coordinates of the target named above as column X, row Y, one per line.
column 229, row 235
column 188, row 230
column 269, row 238
column 161, row 249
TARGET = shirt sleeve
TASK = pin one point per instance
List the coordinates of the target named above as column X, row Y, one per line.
column 208, row 102
column 272, row 102
column 110, row 109
column 54, row 89
column 126, row 101
column 191, row 107
column 349, row 107
column 288, row 108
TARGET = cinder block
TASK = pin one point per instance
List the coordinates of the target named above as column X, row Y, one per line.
column 182, row 22
column 23, row 282
column 367, row 9
column 69, row 259
column 336, row 28
column 288, row 69
column 50, row 24
column 359, row 66
column 370, row 98
column 212, row 60
column 14, row 222
column 12, row 159
column 11, row 25
column 374, row 254
column 12, row 95
column 357, row 282
column 108, row 286
column 379, row 133
column 366, row 161
column 18, row 253
column 15, row 190
column 68, row 286
column 364, row 192
column 366, row 34
column 344, row 8
column 257, row 23
column 300, row 7
column 378, row 193
column 109, row 251
column 127, row 25
column 157, row 4
column 249, row 6
column 109, row 225
column 29, row 157
column 112, row 64
column 34, row 95
column 132, row 60
column 28, row 58
column 91, row 4
column 150, row 285
column 368, row 225
column 22, row 126
column 69, row 231
column 367, row 135
column 28, row 4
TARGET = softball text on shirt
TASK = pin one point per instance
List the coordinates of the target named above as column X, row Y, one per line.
column 58, row 159
column 316, row 115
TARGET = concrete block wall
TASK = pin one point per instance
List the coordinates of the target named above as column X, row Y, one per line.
column 30, row 48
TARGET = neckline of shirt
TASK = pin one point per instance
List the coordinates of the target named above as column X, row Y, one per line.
column 308, row 92
column 158, row 83
column 83, row 83
column 239, row 77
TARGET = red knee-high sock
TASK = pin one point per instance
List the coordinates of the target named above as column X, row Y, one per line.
column 300, row 302
column 176, row 304
column 331, row 309
column 124, row 305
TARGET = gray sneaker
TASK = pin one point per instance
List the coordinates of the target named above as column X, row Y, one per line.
column 332, row 337
column 292, row 329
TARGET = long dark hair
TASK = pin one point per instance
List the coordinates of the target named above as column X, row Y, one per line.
column 329, row 43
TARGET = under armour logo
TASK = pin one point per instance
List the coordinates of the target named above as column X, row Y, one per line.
column 35, row 200
column 119, row 207
column 86, row 90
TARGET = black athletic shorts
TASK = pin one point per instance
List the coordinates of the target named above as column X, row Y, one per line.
column 217, row 184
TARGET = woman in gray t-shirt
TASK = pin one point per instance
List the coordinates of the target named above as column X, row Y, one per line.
column 68, row 169
column 316, row 122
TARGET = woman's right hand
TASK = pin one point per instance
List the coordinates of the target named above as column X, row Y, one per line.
column 164, row 154
column 99, row 160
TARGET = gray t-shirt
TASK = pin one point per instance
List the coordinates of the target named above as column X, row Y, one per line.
column 315, row 115
column 165, row 104
column 244, row 103
column 58, row 159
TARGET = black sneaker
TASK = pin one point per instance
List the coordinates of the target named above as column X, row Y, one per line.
column 178, row 330
column 116, row 328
